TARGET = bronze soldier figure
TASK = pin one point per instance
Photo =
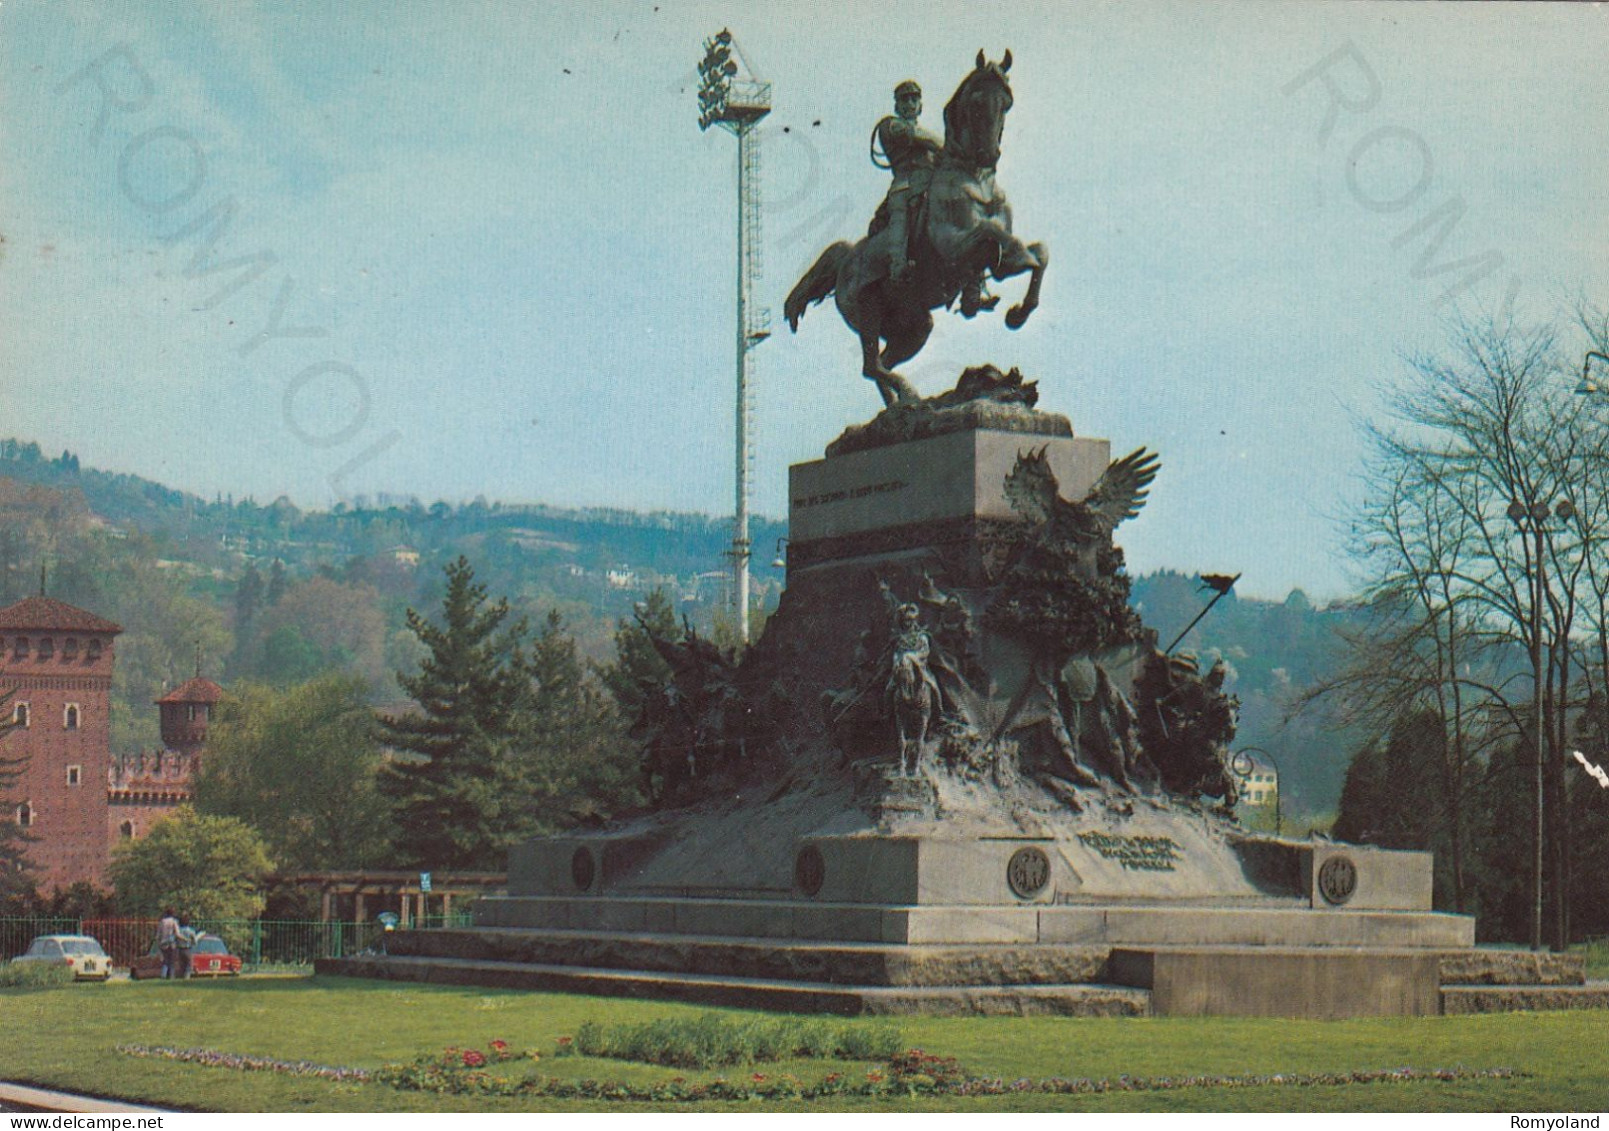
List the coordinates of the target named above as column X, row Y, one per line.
column 911, row 151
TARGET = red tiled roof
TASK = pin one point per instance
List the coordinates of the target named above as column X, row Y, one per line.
column 37, row 613
column 198, row 690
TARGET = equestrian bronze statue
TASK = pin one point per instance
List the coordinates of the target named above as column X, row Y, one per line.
column 961, row 234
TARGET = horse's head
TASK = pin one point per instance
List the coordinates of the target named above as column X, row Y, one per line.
column 975, row 116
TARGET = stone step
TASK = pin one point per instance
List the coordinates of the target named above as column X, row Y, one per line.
column 1077, row 1000
column 864, row 964
column 1314, row 983
column 1499, row 966
column 890, row 964
column 1274, row 923
column 1520, row 999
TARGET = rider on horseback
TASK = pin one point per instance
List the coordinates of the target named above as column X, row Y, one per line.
column 911, row 152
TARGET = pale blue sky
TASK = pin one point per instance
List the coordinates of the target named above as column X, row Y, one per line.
column 520, row 246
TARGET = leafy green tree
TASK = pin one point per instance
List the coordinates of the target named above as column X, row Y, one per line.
column 320, row 625
column 450, row 808
column 204, row 867
column 301, row 766
column 287, row 657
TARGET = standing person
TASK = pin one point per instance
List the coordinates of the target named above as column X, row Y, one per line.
column 186, row 941
column 167, row 941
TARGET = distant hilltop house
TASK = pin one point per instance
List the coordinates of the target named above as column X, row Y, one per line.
column 73, row 796
column 1260, row 788
column 405, row 556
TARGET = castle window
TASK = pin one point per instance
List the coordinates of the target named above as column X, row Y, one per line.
column 19, row 650
column 192, row 712
column 126, row 830
column 70, row 717
column 92, row 651
column 75, row 775
column 19, row 715
column 47, row 647
column 25, row 815
column 69, row 648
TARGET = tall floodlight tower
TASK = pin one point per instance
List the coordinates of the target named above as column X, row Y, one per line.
column 732, row 96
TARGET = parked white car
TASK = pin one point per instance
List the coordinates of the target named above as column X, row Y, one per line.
column 82, row 953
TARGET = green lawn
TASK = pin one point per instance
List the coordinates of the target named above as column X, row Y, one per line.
column 364, row 1024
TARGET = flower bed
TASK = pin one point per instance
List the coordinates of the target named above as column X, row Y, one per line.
column 488, row 1072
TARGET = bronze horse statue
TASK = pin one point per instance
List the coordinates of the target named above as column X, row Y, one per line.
column 963, row 233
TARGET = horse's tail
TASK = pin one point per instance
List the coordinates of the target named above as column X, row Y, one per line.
column 818, row 282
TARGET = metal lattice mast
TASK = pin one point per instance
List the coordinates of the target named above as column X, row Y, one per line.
column 731, row 96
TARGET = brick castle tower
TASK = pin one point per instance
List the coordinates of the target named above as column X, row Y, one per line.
column 147, row 786
column 56, row 661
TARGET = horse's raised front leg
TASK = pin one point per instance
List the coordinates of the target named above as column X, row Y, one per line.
column 1030, row 257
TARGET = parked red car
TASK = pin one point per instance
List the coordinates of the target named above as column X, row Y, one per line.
column 209, row 958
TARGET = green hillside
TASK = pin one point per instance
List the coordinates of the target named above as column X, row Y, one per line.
column 269, row 591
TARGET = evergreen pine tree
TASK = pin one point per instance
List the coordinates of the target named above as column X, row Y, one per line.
column 249, row 594
column 448, row 789
column 636, row 660
column 277, row 582
column 570, row 759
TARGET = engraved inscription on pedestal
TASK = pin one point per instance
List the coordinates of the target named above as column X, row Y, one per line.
column 1136, row 853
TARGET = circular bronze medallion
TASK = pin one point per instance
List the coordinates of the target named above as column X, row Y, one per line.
column 1337, row 879
column 1028, row 872
column 809, row 870
column 582, row 869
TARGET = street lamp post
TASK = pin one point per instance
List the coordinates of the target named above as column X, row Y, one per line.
column 1535, row 515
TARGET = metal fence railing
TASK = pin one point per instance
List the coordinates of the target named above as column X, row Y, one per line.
column 258, row 942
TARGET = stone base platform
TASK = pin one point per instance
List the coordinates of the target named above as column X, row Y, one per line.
column 1077, row 1000
column 1256, row 923
column 804, row 975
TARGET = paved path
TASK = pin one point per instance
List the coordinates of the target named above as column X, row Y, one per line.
column 19, row 1097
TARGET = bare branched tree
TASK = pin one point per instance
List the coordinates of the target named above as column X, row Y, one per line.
column 1481, row 534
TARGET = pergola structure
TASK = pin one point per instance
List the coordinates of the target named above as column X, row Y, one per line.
column 403, row 889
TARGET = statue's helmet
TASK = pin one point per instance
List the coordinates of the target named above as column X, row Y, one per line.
column 909, row 86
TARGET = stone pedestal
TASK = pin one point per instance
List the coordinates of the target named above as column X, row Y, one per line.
column 929, row 494
column 996, row 879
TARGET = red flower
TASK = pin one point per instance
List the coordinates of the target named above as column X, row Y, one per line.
column 758, row 1077
column 473, row 1059
column 566, row 1040
column 499, row 1045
